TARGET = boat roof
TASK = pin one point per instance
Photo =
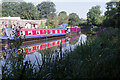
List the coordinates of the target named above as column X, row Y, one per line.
column 40, row 29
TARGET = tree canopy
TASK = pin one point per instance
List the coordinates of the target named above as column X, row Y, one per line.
column 74, row 19
column 45, row 8
column 52, row 20
column 10, row 9
column 93, row 16
column 27, row 10
column 63, row 18
column 112, row 14
column 19, row 9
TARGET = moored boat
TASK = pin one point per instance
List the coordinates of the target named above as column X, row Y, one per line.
column 32, row 33
column 35, row 33
column 70, row 29
column 10, row 33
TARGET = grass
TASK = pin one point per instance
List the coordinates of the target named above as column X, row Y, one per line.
column 97, row 58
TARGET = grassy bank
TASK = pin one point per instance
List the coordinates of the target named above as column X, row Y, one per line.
column 97, row 58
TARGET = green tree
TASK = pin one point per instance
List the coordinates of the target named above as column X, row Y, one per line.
column 93, row 16
column 0, row 9
column 36, row 14
column 45, row 8
column 83, row 22
column 10, row 9
column 74, row 19
column 63, row 18
column 27, row 10
column 20, row 9
column 41, row 25
column 52, row 20
column 112, row 14
column 117, row 15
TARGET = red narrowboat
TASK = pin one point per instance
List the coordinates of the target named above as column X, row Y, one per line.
column 33, row 33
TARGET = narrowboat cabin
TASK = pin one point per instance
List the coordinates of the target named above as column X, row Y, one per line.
column 70, row 29
column 32, row 33
column 36, row 33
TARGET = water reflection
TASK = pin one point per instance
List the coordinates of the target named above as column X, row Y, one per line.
column 69, row 44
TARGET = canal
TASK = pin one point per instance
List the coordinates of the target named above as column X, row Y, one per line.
column 43, row 49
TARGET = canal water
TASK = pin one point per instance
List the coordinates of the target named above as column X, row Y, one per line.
column 43, row 48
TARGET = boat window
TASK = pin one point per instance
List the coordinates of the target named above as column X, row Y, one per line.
column 60, row 41
column 60, row 31
column 38, row 47
column 30, row 49
column 37, row 32
column 43, row 31
column 22, row 32
column 43, row 45
column 30, row 32
column 56, row 31
column 51, row 44
column 24, row 50
column 56, row 42
column 51, row 32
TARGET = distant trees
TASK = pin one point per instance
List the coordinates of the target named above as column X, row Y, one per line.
column 10, row 9
column 19, row 9
column 112, row 15
column 117, row 15
column 74, row 19
column 63, row 18
column 93, row 16
column 52, row 20
column 46, row 8
column 27, row 10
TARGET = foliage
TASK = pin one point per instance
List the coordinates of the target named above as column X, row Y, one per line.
column 94, row 29
column 83, row 22
column 93, row 16
column 63, row 18
column 10, row 25
column 41, row 25
column 19, row 9
column 26, row 10
column 45, row 8
column 73, row 19
column 112, row 14
column 10, row 9
column 52, row 20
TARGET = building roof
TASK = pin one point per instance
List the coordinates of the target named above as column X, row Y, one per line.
column 33, row 23
column 11, row 18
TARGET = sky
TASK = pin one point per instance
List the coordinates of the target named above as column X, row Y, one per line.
column 81, row 7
